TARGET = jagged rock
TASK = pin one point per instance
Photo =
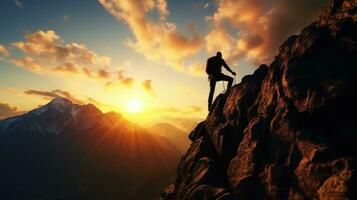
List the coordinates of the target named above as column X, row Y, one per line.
column 288, row 130
column 199, row 131
column 200, row 174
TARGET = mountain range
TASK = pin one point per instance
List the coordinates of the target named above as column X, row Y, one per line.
column 68, row 151
column 174, row 134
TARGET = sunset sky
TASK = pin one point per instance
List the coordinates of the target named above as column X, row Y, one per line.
column 142, row 58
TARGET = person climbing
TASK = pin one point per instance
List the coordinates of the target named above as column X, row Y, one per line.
column 213, row 69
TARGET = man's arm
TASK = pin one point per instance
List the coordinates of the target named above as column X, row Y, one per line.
column 227, row 67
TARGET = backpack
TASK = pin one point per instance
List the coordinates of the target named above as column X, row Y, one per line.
column 211, row 65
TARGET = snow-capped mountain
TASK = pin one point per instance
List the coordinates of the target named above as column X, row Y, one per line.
column 68, row 151
column 53, row 117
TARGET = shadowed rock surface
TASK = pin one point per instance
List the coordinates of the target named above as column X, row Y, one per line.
column 288, row 131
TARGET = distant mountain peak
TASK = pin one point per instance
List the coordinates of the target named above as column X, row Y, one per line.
column 53, row 117
column 60, row 100
column 58, row 104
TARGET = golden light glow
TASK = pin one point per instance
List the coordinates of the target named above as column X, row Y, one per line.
column 134, row 106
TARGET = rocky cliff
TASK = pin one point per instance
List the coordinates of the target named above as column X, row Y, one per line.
column 287, row 131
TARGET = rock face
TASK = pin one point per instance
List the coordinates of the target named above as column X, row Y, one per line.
column 287, row 131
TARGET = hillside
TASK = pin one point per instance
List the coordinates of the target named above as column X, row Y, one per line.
column 287, row 131
column 175, row 135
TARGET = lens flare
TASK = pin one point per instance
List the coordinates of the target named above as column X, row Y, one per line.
column 134, row 106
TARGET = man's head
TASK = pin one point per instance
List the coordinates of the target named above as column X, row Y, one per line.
column 219, row 54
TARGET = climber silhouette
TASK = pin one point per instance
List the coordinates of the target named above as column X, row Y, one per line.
column 213, row 69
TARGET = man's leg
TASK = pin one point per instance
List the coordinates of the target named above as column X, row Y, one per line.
column 212, row 84
column 223, row 77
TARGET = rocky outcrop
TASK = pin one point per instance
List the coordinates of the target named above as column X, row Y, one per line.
column 288, row 131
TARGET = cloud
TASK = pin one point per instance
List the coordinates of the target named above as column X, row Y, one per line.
column 46, row 45
column 87, row 72
column 45, row 52
column 122, row 80
column 162, row 8
column 66, row 67
column 256, row 27
column 98, row 103
column 157, row 39
column 32, row 65
column 27, row 63
column 206, row 5
column 128, row 81
column 8, row 111
column 4, row 51
column 57, row 93
column 186, row 110
column 18, row 4
column 102, row 73
column 148, row 87
column 167, row 109
column 193, row 109
column 126, row 65
column 218, row 39
column 198, row 70
column 10, row 90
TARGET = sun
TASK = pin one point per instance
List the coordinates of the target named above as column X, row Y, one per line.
column 134, row 106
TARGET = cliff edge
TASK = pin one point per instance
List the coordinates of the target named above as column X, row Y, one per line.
column 287, row 131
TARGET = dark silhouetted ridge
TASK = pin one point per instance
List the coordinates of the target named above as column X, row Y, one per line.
column 288, row 131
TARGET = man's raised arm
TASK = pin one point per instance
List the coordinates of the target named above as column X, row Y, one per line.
column 227, row 67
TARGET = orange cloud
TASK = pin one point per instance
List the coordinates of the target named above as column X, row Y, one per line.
column 8, row 111
column 57, row 93
column 162, row 8
column 128, row 81
column 158, row 40
column 67, row 67
column 168, row 109
column 87, row 71
column 47, row 46
column 45, row 52
column 54, row 94
column 148, row 87
column 193, row 109
column 189, row 109
column 102, row 73
column 258, row 26
column 197, row 70
column 219, row 39
column 123, row 80
column 4, row 51
column 27, row 63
